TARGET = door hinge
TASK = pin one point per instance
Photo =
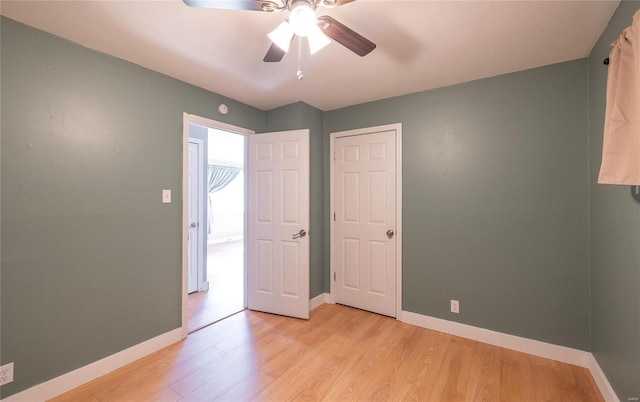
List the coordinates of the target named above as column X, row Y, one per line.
column 334, row 156
column 334, row 216
column 334, row 276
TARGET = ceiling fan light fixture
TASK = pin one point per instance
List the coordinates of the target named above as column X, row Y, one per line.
column 317, row 40
column 302, row 18
column 282, row 36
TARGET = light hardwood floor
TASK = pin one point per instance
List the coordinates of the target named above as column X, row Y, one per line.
column 339, row 354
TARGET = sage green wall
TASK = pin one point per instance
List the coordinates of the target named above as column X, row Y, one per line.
column 615, row 240
column 496, row 194
column 495, row 197
column 297, row 116
column 91, row 259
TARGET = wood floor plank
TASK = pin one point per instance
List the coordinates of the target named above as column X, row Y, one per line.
column 299, row 373
column 314, row 359
column 456, row 366
column 308, row 335
column 340, row 353
column 517, row 379
column 130, row 378
column 247, row 389
column 426, row 368
column 80, row 394
column 390, row 377
column 357, row 378
column 582, row 388
column 324, row 373
column 149, row 392
column 485, row 373
column 547, row 383
column 222, row 383
column 208, row 373
column 354, row 331
column 336, row 358
column 572, row 382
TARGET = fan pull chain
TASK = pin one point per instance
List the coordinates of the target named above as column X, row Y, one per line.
column 299, row 72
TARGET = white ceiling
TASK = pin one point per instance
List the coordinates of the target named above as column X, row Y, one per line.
column 421, row 44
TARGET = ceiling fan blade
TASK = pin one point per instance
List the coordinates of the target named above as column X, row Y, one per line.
column 274, row 54
column 345, row 36
column 251, row 5
column 335, row 3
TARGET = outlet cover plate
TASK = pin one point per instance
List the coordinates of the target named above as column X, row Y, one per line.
column 455, row 306
column 6, row 374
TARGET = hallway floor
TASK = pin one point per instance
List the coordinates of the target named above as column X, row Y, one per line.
column 225, row 294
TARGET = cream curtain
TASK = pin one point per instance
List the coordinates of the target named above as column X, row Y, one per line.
column 621, row 144
column 219, row 177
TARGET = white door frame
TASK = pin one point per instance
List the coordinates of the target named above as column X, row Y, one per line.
column 361, row 131
column 201, row 121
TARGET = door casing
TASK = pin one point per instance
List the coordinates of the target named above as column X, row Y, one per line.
column 362, row 131
column 202, row 121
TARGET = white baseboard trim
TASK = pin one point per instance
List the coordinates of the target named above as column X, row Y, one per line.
column 537, row 348
column 530, row 346
column 75, row 378
column 606, row 390
column 319, row 301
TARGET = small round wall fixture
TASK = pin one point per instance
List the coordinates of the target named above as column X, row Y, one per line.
column 223, row 109
column 635, row 193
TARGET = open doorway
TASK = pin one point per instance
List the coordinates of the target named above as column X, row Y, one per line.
column 223, row 223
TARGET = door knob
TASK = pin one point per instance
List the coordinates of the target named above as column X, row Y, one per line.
column 298, row 235
column 390, row 233
column 193, row 225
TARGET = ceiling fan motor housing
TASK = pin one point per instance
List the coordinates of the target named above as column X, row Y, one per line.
column 309, row 3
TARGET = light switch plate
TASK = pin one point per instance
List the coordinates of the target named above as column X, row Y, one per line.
column 166, row 196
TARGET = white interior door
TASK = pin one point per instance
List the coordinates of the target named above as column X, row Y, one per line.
column 364, row 238
column 195, row 258
column 278, row 223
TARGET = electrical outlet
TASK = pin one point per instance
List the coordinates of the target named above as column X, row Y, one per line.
column 6, row 374
column 455, row 306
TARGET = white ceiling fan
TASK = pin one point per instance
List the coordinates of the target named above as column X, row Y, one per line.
column 302, row 22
